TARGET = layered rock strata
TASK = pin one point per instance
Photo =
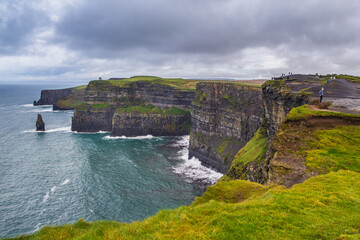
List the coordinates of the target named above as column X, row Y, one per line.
column 102, row 98
column 156, row 124
column 224, row 118
column 50, row 97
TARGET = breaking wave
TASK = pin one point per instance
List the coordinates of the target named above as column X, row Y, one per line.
column 192, row 169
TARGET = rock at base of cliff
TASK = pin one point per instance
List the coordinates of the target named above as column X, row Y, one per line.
column 40, row 125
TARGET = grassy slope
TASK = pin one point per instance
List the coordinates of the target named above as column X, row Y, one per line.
column 254, row 150
column 304, row 112
column 321, row 141
column 323, row 207
column 333, row 149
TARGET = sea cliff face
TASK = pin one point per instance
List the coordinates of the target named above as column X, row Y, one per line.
column 89, row 118
column 102, row 98
column 50, row 97
column 224, row 118
column 156, row 124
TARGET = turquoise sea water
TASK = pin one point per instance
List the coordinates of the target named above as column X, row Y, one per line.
column 60, row 176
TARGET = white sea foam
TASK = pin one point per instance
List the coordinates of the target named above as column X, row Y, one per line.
column 123, row 137
column 27, row 105
column 46, row 197
column 60, row 129
column 90, row 132
column 42, row 110
column 183, row 142
column 192, row 168
column 53, row 189
column 30, row 131
column 65, row 182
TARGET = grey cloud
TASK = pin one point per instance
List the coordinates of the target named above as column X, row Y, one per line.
column 18, row 20
column 207, row 26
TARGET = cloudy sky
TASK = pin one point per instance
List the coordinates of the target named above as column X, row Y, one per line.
column 67, row 40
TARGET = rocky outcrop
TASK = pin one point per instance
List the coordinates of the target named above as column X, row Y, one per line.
column 278, row 100
column 137, row 124
column 50, row 97
column 40, row 125
column 224, row 118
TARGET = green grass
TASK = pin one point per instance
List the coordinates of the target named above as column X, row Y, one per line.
column 348, row 77
column 322, row 143
column 100, row 105
column 79, row 87
column 96, row 106
column 304, row 112
column 254, row 150
column 153, row 109
column 333, row 149
column 323, row 207
column 177, row 83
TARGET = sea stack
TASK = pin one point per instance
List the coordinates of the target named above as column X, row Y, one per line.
column 40, row 125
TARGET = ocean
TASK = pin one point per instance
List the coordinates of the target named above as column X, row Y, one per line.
column 59, row 176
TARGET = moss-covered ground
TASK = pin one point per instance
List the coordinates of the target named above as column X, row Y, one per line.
column 95, row 106
column 323, row 207
column 153, row 109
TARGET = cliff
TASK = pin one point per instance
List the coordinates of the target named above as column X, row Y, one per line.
column 50, row 97
column 62, row 99
column 92, row 118
column 144, row 120
column 102, row 98
column 224, row 118
column 70, row 102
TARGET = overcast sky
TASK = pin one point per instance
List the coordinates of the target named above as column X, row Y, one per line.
column 75, row 40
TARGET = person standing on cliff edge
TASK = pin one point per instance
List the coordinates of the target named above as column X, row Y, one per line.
column 321, row 94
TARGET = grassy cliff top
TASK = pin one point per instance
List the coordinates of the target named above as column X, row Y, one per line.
column 178, row 83
column 152, row 109
column 323, row 207
column 304, row 112
column 81, row 87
